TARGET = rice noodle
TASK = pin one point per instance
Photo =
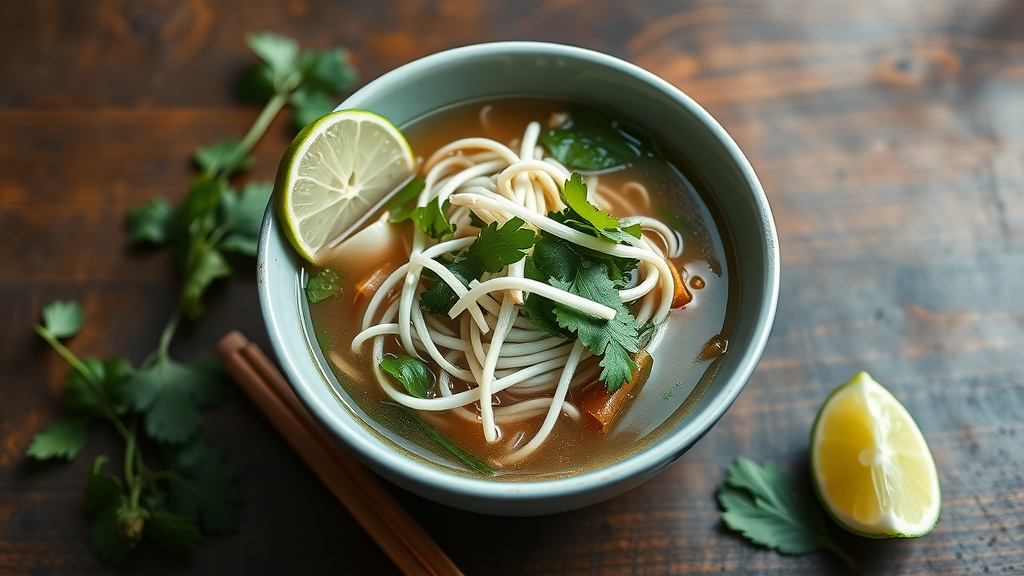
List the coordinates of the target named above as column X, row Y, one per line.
column 491, row 346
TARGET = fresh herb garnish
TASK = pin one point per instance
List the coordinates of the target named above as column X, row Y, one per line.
column 680, row 225
column 585, row 217
column 432, row 220
column 574, row 269
column 403, row 203
column 768, row 507
column 495, row 247
column 413, row 374
column 164, row 397
column 449, row 446
column 591, row 141
column 322, row 286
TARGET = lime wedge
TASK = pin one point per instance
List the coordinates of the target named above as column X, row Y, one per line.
column 871, row 466
column 335, row 172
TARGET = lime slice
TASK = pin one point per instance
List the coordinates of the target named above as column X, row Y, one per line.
column 335, row 172
column 871, row 465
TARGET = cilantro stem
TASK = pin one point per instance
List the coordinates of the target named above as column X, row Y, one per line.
column 842, row 555
column 129, row 461
column 274, row 105
column 68, row 355
column 168, row 333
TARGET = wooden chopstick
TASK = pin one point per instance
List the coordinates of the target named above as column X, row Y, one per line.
column 394, row 530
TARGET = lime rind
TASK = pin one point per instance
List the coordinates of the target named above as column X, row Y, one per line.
column 901, row 493
column 336, row 171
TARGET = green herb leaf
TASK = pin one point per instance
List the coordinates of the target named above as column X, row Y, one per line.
column 256, row 84
column 432, row 220
column 151, row 222
column 581, row 215
column 174, row 533
column 280, row 54
column 100, row 489
column 616, row 339
column 63, row 319
column 309, row 105
column 63, row 438
column 103, row 498
column 100, row 394
column 170, row 395
column 327, row 71
column 242, row 217
column 209, row 266
column 402, row 204
column 590, row 141
column 494, row 248
column 223, row 158
column 769, row 508
column 414, row 375
column 202, row 486
column 449, row 446
column 322, row 286
column 497, row 247
column 436, row 299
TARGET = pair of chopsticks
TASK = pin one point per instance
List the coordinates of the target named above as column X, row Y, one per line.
column 394, row 530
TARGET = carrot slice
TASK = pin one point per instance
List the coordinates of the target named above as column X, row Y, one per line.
column 681, row 294
column 603, row 407
column 366, row 288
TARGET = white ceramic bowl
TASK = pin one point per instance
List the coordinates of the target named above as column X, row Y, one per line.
column 556, row 72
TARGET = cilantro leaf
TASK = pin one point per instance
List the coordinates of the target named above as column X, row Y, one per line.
column 574, row 194
column 99, row 395
column 103, row 498
column 581, row 215
column 100, row 489
column 280, row 53
column 242, row 217
column 494, row 248
column 223, row 158
column 414, row 375
column 174, row 533
column 613, row 339
column 63, row 438
column 309, row 105
column 401, row 205
column 63, row 319
column 170, row 395
column 327, row 71
column 438, row 438
column 256, row 84
column 591, row 141
column 202, row 487
column 497, row 247
column 432, row 220
column 151, row 222
column 322, row 286
column 769, row 508
column 209, row 266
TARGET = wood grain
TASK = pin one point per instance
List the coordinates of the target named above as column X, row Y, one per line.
column 889, row 138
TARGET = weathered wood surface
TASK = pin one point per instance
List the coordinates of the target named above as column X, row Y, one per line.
column 889, row 138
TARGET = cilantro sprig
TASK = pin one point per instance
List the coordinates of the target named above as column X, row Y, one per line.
column 768, row 507
column 156, row 408
column 495, row 247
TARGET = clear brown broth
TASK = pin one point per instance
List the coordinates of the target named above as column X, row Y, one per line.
column 572, row 447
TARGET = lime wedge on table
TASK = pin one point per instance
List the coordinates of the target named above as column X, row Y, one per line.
column 334, row 172
column 871, row 466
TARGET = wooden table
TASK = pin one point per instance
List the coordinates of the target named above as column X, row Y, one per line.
column 889, row 138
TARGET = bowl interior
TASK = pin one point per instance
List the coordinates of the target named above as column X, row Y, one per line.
column 554, row 72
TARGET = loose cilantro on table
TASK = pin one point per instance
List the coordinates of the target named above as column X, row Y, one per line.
column 768, row 507
column 197, row 491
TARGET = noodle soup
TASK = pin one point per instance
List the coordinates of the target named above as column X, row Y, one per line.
column 527, row 379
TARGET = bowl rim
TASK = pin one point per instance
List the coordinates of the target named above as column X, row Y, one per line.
column 654, row 457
